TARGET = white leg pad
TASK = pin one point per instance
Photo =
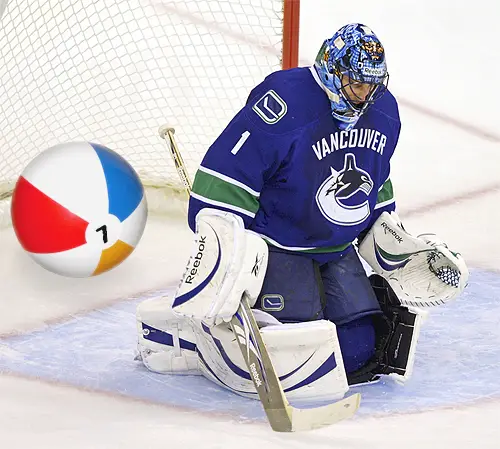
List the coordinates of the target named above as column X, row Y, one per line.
column 306, row 357
column 166, row 342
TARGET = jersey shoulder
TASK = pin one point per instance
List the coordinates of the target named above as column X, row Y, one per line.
column 387, row 106
column 286, row 101
column 385, row 112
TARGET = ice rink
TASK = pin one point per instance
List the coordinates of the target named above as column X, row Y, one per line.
column 67, row 374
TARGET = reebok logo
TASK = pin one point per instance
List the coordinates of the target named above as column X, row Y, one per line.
column 255, row 375
column 391, row 231
column 196, row 261
column 374, row 71
column 257, row 264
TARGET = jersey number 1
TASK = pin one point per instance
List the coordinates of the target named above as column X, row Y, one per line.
column 240, row 142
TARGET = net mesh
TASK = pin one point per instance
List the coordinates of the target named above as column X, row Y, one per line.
column 113, row 72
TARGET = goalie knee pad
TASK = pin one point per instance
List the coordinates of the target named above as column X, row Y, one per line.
column 227, row 261
column 397, row 331
column 306, row 357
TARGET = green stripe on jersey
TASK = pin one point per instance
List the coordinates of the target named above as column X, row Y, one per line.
column 328, row 249
column 386, row 193
column 323, row 249
column 216, row 189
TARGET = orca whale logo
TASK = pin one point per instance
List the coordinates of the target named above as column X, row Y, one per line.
column 340, row 186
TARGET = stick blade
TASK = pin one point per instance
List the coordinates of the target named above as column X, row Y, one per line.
column 314, row 418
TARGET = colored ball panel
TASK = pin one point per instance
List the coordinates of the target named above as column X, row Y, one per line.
column 125, row 191
column 41, row 224
column 113, row 256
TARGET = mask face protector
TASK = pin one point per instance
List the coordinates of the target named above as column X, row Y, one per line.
column 359, row 92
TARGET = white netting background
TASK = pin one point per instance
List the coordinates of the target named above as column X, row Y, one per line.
column 112, row 72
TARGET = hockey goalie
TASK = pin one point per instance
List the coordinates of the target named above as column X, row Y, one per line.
column 294, row 192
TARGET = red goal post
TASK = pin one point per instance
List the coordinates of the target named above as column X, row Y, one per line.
column 291, row 25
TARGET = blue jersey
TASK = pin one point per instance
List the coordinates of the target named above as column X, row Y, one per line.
column 294, row 177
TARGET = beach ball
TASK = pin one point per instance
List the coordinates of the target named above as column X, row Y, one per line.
column 79, row 209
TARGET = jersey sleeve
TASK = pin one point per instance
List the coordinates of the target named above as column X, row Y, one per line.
column 385, row 198
column 244, row 156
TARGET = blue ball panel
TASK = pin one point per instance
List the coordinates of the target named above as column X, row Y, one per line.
column 125, row 190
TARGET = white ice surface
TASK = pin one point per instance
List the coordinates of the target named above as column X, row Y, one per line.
column 442, row 56
column 41, row 415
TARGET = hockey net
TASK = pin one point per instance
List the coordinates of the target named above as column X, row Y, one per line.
column 113, row 72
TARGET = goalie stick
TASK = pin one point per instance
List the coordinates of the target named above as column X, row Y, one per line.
column 281, row 415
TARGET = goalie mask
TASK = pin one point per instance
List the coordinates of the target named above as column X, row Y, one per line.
column 352, row 56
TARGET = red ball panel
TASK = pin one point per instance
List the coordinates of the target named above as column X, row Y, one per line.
column 41, row 224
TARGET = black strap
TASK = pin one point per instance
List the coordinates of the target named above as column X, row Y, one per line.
column 321, row 290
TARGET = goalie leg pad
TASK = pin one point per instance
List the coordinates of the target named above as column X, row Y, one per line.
column 227, row 261
column 166, row 343
column 306, row 357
